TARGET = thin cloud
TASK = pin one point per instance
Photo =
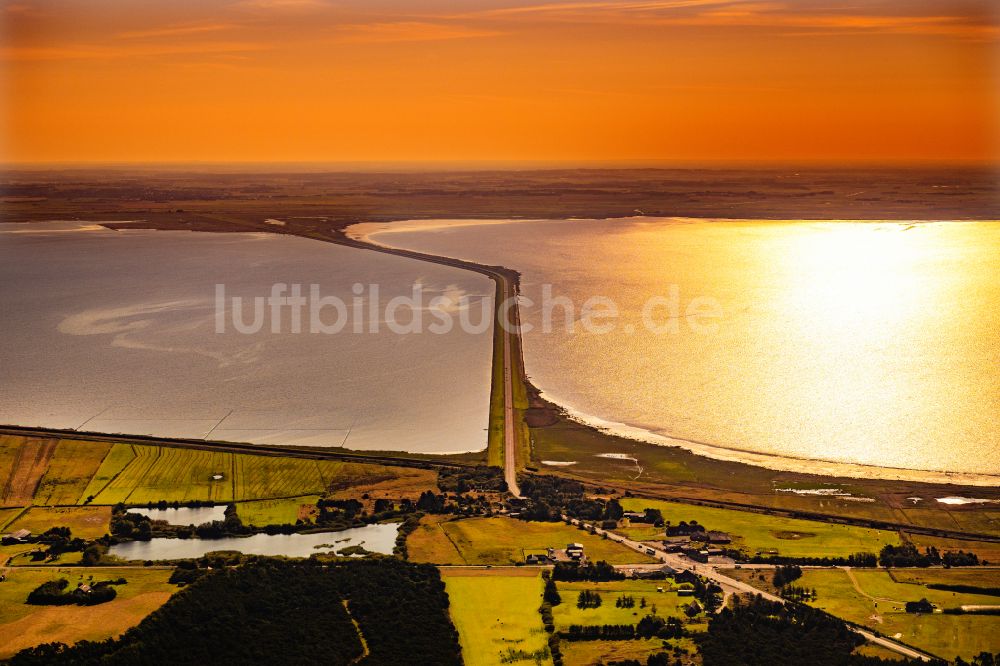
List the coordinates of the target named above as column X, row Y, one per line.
column 176, row 30
column 408, row 31
column 102, row 52
column 737, row 13
column 583, row 7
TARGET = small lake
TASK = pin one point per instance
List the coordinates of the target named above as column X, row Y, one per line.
column 184, row 515
column 376, row 538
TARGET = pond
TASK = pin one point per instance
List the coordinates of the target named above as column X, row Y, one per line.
column 184, row 515
column 376, row 538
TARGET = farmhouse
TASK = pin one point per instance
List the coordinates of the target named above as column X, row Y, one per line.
column 718, row 537
column 696, row 553
column 686, row 576
column 20, row 536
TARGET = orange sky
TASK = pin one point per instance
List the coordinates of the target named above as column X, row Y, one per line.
column 430, row 80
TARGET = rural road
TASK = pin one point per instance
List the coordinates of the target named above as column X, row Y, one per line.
column 509, row 430
column 731, row 585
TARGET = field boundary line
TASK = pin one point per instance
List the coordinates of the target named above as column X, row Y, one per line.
column 17, row 516
column 452, row 541
column 361, row 636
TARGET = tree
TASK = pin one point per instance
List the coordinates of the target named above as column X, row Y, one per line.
column 551, row 594
column 92, row 555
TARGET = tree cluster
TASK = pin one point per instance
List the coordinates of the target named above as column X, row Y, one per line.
column 907, row 555
column 857, row 560
column 480, row 479
column 53, row 593
column 785, row 574
column 286, row 612
column 759, row 632
column 593, row 571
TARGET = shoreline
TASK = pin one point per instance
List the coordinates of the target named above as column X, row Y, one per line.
column 363, row 232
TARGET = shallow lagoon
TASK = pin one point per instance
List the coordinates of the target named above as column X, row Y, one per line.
column 115, row 331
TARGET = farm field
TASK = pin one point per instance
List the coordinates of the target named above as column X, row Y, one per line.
column 872, row 598
column 668, row 603
column 499, row 541
column 114, row 462
column 161, row 473
column 87, row 522
column 69, row 471
column 25, row 461
column 48, row 472
column 497, row 615
column 274, row 512
column 760, row 533
column 23, row 626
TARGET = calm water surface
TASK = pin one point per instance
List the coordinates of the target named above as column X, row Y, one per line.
column 115, row 332
column 376, row 538
column 854, row 343
column 184, row 515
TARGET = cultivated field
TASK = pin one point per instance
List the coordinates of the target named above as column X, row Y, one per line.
column 69, row 471
column 872, row 598
column 499, row 541
column 73, row 472
column 74, row 483
column 497, row 616
column 26, row 459
column 24, row 626
column 761, row 533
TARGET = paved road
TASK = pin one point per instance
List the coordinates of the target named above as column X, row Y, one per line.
column 509, row 430
column 731, row 586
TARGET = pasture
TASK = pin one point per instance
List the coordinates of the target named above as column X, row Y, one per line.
column 667, row 603
column 761, row 533
column 24, row 626
column 500, row 541
column 588, row 653
column 872, row 598
column 497, row 616
column 86, row 522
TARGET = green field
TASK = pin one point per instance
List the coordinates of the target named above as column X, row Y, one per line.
column 668, row 603
column 114, row 462
column 23, row 626
column 980, row 577
column 499, row 541
column 273, row 512
column 872, row 598
column 761, row 533
column 497, row 616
